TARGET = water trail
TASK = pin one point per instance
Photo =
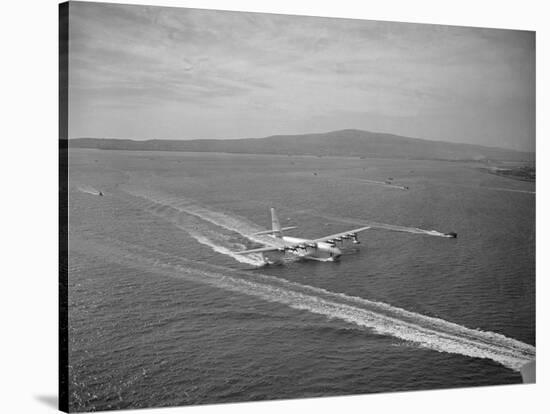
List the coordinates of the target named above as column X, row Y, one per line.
column 88, row 189
column 414, row 230
column 251, row 259
column 377, row 225
column 170, row 208
column 402, row 187
column 339, row 178
column 382, row 183
column 485, row 188
column 384, row 319
column 509, row 190
column 233, row 223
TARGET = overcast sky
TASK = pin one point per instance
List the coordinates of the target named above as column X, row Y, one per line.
column 150, row 72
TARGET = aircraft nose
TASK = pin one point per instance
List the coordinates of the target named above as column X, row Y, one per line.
column 336, row 252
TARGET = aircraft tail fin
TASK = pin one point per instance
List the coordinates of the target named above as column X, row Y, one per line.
column 276, row 229
column 273, row 232
column 275, row 225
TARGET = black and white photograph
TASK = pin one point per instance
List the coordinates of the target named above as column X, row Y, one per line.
column 261, row 206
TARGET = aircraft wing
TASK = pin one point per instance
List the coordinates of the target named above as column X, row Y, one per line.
column 333, row 236
column 291, row 245
column 283, row 245
column 259, row 250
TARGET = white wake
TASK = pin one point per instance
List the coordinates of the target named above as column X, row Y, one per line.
column 384, row 319
column 251, row 259
column 433, row 333
column 88, row 189
column 217, row 241
column 374, row 224
column 160, row 205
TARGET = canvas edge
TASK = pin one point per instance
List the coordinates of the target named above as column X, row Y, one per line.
column 63, row 396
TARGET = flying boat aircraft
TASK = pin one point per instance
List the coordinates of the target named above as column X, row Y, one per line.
column 322, row 249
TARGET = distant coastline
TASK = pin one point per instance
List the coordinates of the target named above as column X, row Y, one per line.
column 347, row 143
column 522, row 173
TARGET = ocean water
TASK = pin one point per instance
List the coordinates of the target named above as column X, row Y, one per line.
column 162, row 312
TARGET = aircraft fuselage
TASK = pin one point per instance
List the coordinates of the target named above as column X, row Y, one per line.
column 322, row 251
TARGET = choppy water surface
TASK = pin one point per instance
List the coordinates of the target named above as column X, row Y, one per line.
column 162, row 312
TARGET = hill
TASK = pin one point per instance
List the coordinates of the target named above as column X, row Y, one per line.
column 348, row 142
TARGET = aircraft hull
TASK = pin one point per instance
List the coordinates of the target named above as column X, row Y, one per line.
column 323, row 251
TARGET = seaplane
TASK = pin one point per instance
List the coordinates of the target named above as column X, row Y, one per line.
column 322, row 249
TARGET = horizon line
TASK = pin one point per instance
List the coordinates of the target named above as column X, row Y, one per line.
column 297, row 134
